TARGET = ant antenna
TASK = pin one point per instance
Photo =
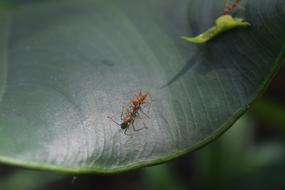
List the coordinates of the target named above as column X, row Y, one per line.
column 113, row 120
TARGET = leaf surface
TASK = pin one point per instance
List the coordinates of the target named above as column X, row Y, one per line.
column 65, row 66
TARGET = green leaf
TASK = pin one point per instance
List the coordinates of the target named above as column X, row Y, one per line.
column 68, row 65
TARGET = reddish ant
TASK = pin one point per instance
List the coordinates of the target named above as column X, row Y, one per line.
column 132, row 113
column 138, row 101
column 230, row 7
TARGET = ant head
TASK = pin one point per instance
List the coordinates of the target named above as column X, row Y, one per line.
column 143, row 97
column 124, row 125
column 136, row 101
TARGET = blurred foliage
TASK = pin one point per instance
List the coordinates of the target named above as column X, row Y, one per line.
column 28, row 180
column 6, row 4
column 271, row 112
column 236, row 161
column 162, row 177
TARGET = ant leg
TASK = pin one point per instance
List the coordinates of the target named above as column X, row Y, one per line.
column 135, row 128
column 149, row 103
column 145, row 127
column 141, row 110
column 125, row 132
column 122, row 113
column 146, row 106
